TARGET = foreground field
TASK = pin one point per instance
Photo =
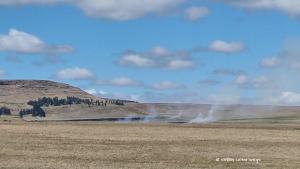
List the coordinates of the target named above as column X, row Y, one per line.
column 38, row 145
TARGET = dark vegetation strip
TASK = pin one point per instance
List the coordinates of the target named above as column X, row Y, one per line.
column 121, row 119
column 37, row 105
column 5, row 111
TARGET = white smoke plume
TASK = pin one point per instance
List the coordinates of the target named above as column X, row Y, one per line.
column 211, row 116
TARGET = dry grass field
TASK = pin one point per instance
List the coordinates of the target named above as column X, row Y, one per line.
column 39, row 145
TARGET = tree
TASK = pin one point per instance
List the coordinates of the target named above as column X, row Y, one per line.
column 5, row 111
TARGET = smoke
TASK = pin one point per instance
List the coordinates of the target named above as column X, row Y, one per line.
column 177, row 116
column 128, row 119
column 152, row 114
column 208, row 118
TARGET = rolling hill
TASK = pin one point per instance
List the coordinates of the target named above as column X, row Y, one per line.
column 16, row 93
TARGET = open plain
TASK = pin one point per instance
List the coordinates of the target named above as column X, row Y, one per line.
column 269, row 143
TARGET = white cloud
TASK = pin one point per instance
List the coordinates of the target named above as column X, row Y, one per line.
column 157, row 57
column 96, row 92
column 18, row 41
column 270, row 62
column 160, row 51
column 91, row 91
column 132, row 9
column 27, row 2
column 226, row 47
column 75, row 74
column 195, row 13
column 125, row 9
column 123, row 96
column 136, row 60
column 178, row 96
column 289, row 97
column 116, row 95
column 291, row 7
column 101, row 92
column 110, row 9
column 180, row 64
column 166, row 85
column 121, row 81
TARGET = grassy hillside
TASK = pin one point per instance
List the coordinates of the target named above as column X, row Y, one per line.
column 16, row 93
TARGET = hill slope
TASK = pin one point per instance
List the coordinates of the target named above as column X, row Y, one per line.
column 16, row 93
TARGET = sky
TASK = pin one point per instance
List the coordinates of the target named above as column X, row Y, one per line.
column 187, row 51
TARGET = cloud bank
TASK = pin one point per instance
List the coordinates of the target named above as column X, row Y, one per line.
column 109, row 9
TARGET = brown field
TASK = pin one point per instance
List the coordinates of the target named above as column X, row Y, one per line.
column 38, row 145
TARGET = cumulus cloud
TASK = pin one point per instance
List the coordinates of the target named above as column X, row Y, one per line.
column 195, row 13
column 121, row 81
column 226, row 47
column 75, row 74
column 291, row 7
column 165, row 85
column 157, row 57
column 22, row 42
column 110, row 9
column 136, row 60
column 270, row 62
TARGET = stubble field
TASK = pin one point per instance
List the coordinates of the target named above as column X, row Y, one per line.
column 38, row 145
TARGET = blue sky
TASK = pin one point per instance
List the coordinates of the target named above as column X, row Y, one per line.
column 195, row 51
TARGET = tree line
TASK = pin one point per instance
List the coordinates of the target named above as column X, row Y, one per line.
column 55, row 101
